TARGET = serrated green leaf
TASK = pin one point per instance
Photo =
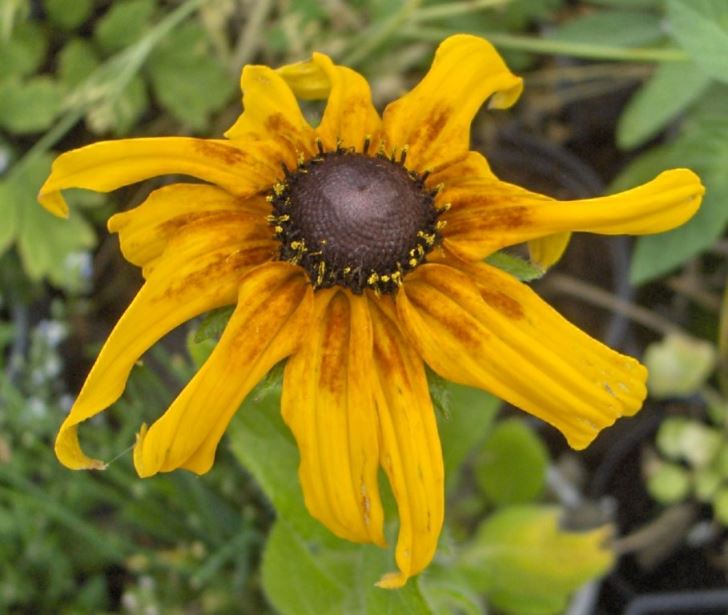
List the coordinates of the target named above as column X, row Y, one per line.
column 517, row 267
column 511, row 466
column 527, row 565
column 23, row 52
column 68, row 15
column 186, row 78
column 614, row 28
column 669, row 91
column 124, row 23
column 76, row 61
column 29, row 106
column 701, row 28
column 44, row 241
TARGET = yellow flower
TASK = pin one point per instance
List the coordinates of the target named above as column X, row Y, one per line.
column 355, row 250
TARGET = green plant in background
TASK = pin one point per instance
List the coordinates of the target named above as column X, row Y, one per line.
column 177, row 543
column 689, row 462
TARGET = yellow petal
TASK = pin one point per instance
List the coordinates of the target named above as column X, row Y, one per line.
column 195, row 278
column 108, row 165
column 487, row 329
column 547, row 251
column 473, row 167
column 411, row 454
column 274, row 307
column 488, row 215
column 328, row 404
column 145, row 231
column 270, row 111
column 433, row 120
column 350, row 117
column 306, row 79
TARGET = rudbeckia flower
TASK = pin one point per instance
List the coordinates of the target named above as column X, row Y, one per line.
column 354, row 250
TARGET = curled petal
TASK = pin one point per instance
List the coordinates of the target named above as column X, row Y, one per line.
column 489, row 215
column 410, row 448
column 487, row 329
column 145, row 230
column 108, row 165
column 194, row 279
column 328, row 404
column 350, row 117
column 274, row 303
column 433, row 120
column 270, row 111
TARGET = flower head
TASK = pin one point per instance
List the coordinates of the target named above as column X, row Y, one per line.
column 355, row 251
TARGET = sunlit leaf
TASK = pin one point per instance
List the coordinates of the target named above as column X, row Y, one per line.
column 678, row 365
column 527, row 565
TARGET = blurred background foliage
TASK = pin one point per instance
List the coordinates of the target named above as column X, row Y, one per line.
column 239, row 540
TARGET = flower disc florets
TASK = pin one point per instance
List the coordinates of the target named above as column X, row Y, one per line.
column 354, row 220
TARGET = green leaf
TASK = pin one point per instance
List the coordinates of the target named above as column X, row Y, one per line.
column 668, row 483
column 672, row 89
column 296, row 589
column 68, row 15
column 701, row 28
column 678, row 365
column 527, row 565
column 468, row 415
column 511, row 468
column 186, row 78
column 720, row 505
column 516, row 266
column 213, row 324
column 124, row 23
column 29, row 106
column 305, row 568
column 24, row 51
column 76, row 61
column 45, row 242
column 614, row 28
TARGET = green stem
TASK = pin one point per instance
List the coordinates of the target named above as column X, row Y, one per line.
column 451, row 9
column 554, row 47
